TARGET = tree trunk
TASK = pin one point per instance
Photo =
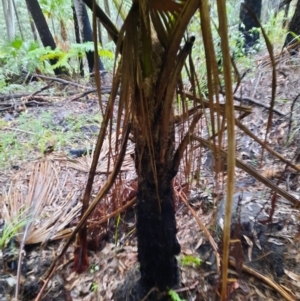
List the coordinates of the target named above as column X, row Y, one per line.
column 274, row 6
column 77, row 39
column 107, row 11
column 248, row 23
column 86, row 32
column 294, row 29
column 286, row 14
column 32, row 26
column 150, row 68
column 100, row 38
column 43, row 30
column 9, row 19
column 156, row 224
column 18, row 20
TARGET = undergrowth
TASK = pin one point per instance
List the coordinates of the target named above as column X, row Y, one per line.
column 20, row 56
column 12, row 229
column 30, row 135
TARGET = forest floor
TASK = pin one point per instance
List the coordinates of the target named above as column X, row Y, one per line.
column 46, row 144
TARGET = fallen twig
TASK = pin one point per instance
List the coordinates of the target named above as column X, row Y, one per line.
column 59, row 80
column 25, row 94
column 113, row 214
column 259, row 103
column 291, row 117
column 39, row 91
column 273, row 152
column 187, row 288
column 8, row 107
column 104, row 90
column 38, row 100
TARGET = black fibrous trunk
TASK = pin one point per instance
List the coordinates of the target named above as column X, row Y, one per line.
column 156, row 224
column 86, row 32
column 248, row 23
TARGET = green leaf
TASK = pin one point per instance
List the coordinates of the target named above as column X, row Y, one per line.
column 17, row 43
column 190, row 260
column 174, row 296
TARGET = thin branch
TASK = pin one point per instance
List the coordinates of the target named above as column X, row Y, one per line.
column 41, row 90
column 182, row 146
column 113, row 214
column 39, row 296
column 202, row 226
column 221, row 106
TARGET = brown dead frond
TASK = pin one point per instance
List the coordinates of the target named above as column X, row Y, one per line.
column 106, row 158
column 47, row 195
column 39, row 195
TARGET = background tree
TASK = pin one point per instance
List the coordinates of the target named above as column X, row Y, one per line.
column 8, row 12
column 86, row 32
column 248, row 24
column 286, row 5
column 293, row 34
column 18, row 20
column 32, row 26
column 43, row 30
column 107, row 11
column 77, row 38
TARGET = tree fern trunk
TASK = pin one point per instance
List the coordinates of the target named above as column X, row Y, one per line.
column 156, row 225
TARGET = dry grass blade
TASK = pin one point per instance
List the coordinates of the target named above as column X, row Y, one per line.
column 113, row 214
column 223, row 27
